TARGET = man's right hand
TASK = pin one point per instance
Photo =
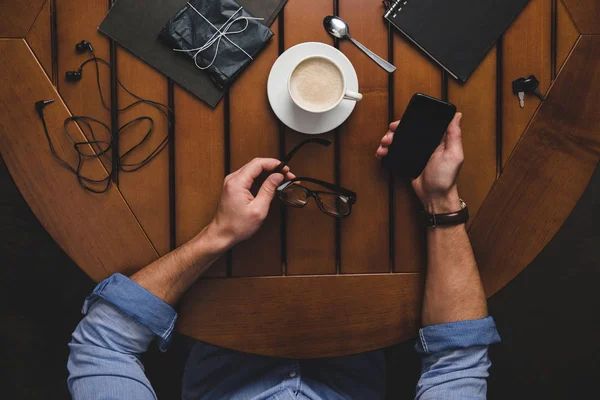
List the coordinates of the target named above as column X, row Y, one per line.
column 240, row 214
column 436, row 186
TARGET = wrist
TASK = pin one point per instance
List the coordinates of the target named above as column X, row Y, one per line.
column 213, row 239
column 444, row 204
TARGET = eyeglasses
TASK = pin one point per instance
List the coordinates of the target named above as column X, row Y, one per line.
column 336, row 202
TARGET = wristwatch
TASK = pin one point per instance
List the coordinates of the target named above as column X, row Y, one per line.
column 449, row 219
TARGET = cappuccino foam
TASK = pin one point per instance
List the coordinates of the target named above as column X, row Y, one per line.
column 316, row 84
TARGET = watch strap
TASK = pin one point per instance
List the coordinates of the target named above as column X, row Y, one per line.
column 448, row 219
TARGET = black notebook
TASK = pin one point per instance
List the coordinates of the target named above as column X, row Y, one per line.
column 456, row 34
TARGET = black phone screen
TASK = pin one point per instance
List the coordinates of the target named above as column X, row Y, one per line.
column 419, row 133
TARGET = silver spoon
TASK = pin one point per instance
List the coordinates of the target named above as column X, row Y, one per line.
column 337, row 27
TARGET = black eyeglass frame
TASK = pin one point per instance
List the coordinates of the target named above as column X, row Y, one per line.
column 335, row 189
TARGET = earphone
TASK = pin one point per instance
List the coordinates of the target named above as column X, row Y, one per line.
column 84, row 46
column 73, row 76
column 81, row 47
column 101, row 146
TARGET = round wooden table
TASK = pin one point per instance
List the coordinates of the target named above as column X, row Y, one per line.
column 306, row 285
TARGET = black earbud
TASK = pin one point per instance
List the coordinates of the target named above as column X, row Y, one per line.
column 73, row 76
column 83, row 46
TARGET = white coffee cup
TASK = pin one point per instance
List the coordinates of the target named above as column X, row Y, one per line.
column 329, row 102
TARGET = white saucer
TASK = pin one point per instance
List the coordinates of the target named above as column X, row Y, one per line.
column 283, row 106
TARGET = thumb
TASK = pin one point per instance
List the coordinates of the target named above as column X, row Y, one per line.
column 454, row 134
column 267, row 190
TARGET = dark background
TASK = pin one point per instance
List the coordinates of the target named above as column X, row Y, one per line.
column 546, row 316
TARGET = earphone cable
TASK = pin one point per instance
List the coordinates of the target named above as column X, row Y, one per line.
column 100, row 148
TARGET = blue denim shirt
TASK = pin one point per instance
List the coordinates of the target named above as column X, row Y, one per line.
column 123, row 318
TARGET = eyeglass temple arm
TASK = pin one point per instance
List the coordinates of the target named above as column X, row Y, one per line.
column 290, row 155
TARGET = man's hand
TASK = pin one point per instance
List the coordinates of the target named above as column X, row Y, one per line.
column 240, row 214
column 436, row 186
column 238, row 217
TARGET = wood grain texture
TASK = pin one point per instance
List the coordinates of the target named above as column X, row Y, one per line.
column 547, row 174
column 319, row 316
column 415, row 74
column 526, row 50
column 17, row 16
column 308, row 315
column 146, row 190
column 199, row 166
column 310, row 234
column 566, row 35
column 98, row 232
column 365, row 234
column 477, row 101
column 586, row 14
column 39, row 38
column 254, row 132
column 78, row 20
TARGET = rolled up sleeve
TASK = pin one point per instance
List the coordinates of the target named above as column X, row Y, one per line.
column 122, row 318
column 455, row 359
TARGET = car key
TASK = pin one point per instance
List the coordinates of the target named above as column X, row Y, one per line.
column 533, row 86
column 519, row 88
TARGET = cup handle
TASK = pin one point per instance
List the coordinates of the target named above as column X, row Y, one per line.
column 354, row 96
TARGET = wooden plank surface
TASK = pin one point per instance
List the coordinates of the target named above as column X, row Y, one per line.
column 477, row 101
column 415, row 73
column 199, row 137
column 17, row 16
column 254, row 132
column 146, row 190
column 73, row 26
column 39, row 38
column 319, row 316
column 566, row 34
column 310, row 234
column 586, row 14
column 547, row 174
column 526, row 50
column 365, row 234
column 539, row 187
column 98, row 232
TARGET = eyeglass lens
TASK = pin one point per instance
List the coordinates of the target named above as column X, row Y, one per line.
column 298, row 196
column 294, row 195
column 334, row 204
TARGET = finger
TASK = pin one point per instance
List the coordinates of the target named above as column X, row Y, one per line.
column 454, row 135
column 287, row 173
column 231, row 175
column 387, row 139
column 394, row 125
column 289, row 176
column 381, row 152
column 253, row 169
column 267, row 191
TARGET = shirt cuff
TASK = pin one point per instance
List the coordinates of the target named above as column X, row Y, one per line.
column 457, row 335
column 138, row 303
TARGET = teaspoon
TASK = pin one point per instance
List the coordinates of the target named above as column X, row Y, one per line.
column 337, row 27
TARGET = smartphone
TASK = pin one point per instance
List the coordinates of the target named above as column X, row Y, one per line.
column 419, row 133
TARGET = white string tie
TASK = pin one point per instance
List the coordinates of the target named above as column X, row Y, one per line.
column 220, row 33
